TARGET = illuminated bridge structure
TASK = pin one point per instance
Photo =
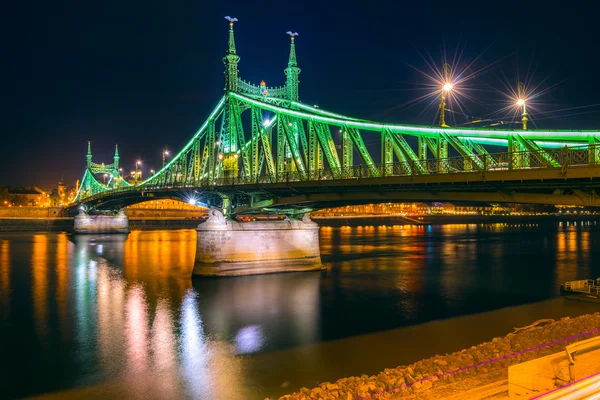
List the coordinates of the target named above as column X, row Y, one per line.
column 261, row 150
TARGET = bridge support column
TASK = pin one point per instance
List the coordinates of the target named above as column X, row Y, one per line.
column 231, row 248
column 85, row 223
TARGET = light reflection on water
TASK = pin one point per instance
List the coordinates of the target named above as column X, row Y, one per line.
column 120, row 312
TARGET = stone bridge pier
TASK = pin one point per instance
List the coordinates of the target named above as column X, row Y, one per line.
column 230, row 248
column 85, row 223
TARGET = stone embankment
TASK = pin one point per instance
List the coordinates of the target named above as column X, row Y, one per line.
column 444, row 375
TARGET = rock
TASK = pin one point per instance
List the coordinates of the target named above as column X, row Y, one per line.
column 427, row 385
column 440, row 362
column 332, row 386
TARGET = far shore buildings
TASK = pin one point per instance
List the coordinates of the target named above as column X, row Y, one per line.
column 435, row 208
column 25, row 196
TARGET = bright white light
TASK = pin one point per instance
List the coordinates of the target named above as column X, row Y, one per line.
column 192, row 201
column 266, row 122
column 520, row 102
column 448, row 87
column 249, row 339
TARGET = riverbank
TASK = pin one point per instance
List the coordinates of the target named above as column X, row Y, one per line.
column 438, row 377
column 65, row 224
column 388, row 220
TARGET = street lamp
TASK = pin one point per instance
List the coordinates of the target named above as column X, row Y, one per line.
column 152, row 171
column 521, row 103
column 446, row 89
column 137, row 171
column 165, row 154
column 105, row 176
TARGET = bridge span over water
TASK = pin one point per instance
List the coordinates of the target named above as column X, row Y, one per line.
column 262, row 150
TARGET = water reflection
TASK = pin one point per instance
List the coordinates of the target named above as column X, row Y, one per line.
column 122, row 311
column 5, row 280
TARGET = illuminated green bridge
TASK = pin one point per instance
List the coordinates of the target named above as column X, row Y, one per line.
column 262, row 150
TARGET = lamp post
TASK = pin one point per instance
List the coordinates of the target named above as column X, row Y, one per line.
column 447, row 88
column 137, row 171
column 105, row 176
column 521, row 103
column 165, row 154
column 152, row 171
column 524, row 119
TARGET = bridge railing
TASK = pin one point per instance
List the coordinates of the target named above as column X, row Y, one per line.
column 547, row 158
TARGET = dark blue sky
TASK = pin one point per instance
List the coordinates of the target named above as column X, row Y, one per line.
column 146, row 74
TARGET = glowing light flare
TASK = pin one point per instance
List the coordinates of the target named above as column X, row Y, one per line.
column 520, row 102
column 448, row 87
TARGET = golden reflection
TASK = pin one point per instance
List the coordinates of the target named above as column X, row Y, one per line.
column 39, row 263
column 62, row 279
column 162, row 260
column 136, row 331
column 5, row 280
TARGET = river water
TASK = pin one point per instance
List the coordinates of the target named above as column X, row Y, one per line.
column 119, row 316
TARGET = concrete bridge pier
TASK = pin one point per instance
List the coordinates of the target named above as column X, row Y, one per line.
column 85, row 223
column 231, row 248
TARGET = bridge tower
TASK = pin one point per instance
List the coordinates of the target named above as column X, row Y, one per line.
column 89, row 156
column 227, row 143
column 116, row 158
column 292, row 71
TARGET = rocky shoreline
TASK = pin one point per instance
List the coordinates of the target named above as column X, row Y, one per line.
column 436, row 376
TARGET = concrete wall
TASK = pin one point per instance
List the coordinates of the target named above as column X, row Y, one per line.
column 158, row 213
column 30, row 212
column 227, row 248
column 101, row 223
column 545, row 373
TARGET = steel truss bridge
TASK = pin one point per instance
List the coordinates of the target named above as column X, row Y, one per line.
column 262, row 150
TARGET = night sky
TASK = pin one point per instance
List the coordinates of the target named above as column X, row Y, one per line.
column 146, row 74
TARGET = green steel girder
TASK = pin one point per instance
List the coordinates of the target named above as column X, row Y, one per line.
column 313, row 148
column 409, row 153
column 389, row 147
column 422, row 148
column 254, row 148
column 292, row 142
column 464, row 151
column 536, row 150
column 235, row 119
column 429, row 131
column 432, row 145
column 347, row 151
column 328, row 147
column 362, row 150
column 280, row 148
column 267, row 154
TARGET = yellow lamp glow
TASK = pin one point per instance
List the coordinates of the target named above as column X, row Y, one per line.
column 448, row 87
column 520, row 102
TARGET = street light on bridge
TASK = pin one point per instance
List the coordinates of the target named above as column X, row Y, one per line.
column 447, row 88
column 165, row 154
column 521, row 103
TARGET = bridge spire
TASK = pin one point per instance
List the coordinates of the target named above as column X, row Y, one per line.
column 89, row 155
column 292, row 71
column 231, row 60
column 116, row 158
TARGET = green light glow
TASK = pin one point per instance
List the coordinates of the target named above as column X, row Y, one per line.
column 429, row 131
